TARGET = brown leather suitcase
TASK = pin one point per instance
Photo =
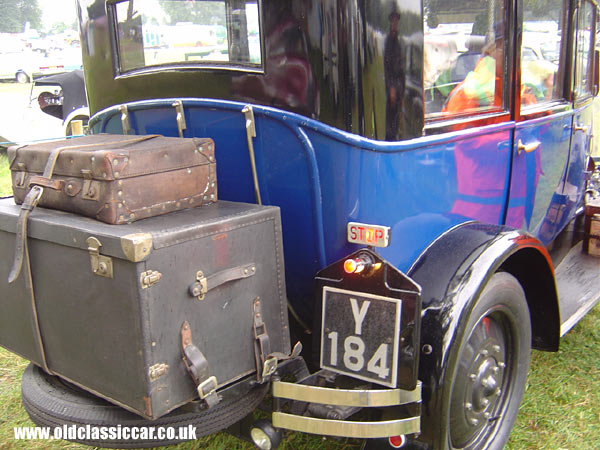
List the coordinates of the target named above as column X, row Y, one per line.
column 114, row 178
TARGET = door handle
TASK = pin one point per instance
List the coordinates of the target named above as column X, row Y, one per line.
column 580, row 128
column 527, row 148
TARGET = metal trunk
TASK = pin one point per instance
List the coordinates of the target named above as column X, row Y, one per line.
column 118, row 332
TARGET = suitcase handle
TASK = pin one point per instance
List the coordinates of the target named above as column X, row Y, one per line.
column 205, row 284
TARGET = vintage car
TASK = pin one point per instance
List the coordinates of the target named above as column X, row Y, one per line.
column 431, row 235
column 64, row 98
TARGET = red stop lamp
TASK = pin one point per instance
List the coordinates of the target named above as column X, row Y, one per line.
column 397, row 441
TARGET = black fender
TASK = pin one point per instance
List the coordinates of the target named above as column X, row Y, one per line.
column 452, row 272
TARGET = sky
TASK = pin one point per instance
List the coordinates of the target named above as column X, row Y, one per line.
column 57, row 11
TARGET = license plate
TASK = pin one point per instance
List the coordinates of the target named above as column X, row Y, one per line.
column 360, row 334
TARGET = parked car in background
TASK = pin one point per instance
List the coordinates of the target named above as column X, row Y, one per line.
column 17, row 66
column 25, row 65
column 64, row 98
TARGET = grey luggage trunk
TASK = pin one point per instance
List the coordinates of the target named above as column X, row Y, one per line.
column 120, row 337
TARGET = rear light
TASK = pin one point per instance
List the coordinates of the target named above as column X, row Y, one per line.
column 362, row 263
column 397, row 441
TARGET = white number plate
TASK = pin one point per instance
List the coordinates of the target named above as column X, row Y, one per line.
column 360, row 334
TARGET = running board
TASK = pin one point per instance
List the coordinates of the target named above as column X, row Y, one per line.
column 577, row 281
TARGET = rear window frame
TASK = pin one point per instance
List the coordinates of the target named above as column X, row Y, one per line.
column 247, row 68
column 435, row 123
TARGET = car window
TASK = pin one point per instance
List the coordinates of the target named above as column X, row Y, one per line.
column 584, row 40
column 170, row 32
column 543, row 25
column 465, row 49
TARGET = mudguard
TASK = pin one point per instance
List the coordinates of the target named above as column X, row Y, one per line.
column 452, row 272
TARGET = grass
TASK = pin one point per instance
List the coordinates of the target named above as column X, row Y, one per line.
column 560, row 409
column 5, row 182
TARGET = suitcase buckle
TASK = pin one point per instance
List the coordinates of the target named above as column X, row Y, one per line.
column 269, row 368
column 207, row 387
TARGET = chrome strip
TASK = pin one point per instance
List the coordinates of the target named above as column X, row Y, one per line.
column 346, row 397
column 360, row 430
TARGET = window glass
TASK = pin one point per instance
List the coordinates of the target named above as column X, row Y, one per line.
column 543, row 25
column 584, row 39
column 155, row 32
column 464, row 57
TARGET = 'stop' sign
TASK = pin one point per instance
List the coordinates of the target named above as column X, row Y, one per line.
column 372, row 235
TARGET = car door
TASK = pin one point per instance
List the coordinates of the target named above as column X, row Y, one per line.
column 583, row 90
column 548, row 144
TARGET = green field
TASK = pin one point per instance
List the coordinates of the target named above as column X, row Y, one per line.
column 560, row 410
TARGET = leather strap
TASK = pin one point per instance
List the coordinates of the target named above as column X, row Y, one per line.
column 31, row 200
column 199, row 288
column 56, row 185
column 198, row 368
column 266, row 361
column 265, row 365
column 22, row 250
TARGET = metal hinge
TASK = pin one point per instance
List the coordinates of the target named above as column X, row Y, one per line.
column 181, row 125
column 125, row 123
column 101, row 265
column 251, row 133
column 157, row 370
column 149, row 278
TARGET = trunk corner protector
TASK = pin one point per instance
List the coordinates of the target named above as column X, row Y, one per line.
column 137, row 246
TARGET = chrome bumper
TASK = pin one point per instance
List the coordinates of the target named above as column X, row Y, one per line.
column 349, row 398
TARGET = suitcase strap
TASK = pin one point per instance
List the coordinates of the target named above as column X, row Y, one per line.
column 197, row 366
column 267, row 361
column 22, row 252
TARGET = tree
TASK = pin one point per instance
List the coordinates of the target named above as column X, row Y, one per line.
column 16, row 13
column 58, row 27
column 206, row 13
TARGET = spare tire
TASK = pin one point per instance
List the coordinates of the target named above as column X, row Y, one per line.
column 53, row 402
